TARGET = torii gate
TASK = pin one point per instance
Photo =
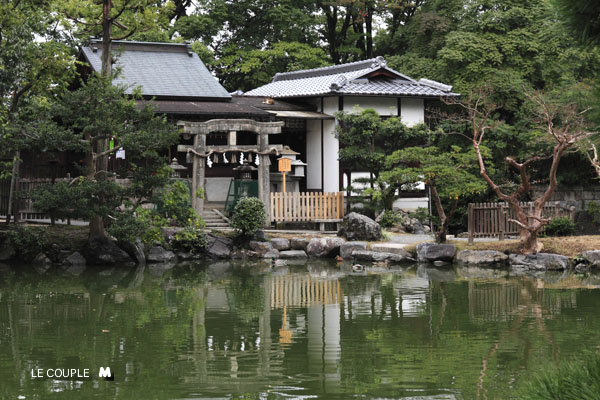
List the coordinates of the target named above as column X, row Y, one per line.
column 200, row 151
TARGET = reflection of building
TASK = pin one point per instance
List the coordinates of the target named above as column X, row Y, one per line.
column 302, row 291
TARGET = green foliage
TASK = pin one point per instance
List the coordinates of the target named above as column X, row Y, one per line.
column 248, row 216
column 422, row 214
column 575, row 380
column 561, row 226
column 174, row 203
column 593, row 210
column 60, row 201
column 390, row 219
column 144, row 224
column 27, row 241
column 191, row 239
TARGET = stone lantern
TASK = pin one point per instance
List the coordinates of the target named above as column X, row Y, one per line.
column 176, row 167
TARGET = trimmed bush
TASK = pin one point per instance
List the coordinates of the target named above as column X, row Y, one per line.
column 561, row 226
column 191, row 239
column 390, row 218
column 248, row 216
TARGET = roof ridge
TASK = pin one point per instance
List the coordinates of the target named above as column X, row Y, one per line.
column 331, row 69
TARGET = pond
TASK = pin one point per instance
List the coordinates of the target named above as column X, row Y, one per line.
column 233, row 331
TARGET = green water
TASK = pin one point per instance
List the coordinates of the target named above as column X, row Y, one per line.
column 237, row 331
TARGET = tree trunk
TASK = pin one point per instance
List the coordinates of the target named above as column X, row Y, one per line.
column 529, row 242
column 13, row 189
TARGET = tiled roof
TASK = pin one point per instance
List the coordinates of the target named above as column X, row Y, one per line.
column 357, row 78
column 161, row 69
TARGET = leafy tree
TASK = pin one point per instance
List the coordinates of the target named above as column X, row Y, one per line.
column 34, row 63
column 450, row 176
column 365, row 141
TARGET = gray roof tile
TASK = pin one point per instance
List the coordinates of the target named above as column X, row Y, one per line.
column 161, row 69
column 350, row 79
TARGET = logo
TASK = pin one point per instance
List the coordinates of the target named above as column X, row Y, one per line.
column 106, row 374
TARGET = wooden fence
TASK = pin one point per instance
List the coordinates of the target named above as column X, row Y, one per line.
column 312, row 207
column 490, row 220
column 24, row 203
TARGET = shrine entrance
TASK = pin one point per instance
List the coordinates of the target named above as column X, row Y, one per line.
column 229, row 150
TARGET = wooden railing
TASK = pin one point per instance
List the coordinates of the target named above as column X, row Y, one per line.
column 490, row 220
column 314, row 206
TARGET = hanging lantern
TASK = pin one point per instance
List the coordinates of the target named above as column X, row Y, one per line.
column 176, row 167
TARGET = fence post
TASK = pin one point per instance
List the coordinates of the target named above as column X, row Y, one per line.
column 502, row 221
column 471, row 223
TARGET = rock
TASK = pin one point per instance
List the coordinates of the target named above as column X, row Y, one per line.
column 463, row 235
column 441, row 263
column 103, row 251
column 582, row 268
column 292, row 254
column 184, row 255
column 41, row 260
column 280, row 243
column 7, row 251
column 324, row 247
column 158, row 254
column 426, row 229
column 75, row 259
column 347, row 248
column 158, row 270
column 280, row 263
column 271, row 254
column 298, row 243
column 243, row 253
column 261, row 247
column 481, row 257
column 360, row 227
column 135, row 250
column 592, row 257
column 540, row 261
column 396, row 248
column 365, row 255
column 219, row 246
column 430, row 252
column 261, row 236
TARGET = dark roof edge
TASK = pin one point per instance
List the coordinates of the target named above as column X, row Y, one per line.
column 330, row 70
column 146, row 46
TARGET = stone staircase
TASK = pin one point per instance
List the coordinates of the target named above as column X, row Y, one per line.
column 214, row 220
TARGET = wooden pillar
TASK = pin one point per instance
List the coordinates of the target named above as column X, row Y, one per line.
column 264, row 183
column 199, row 165
column 471, row 223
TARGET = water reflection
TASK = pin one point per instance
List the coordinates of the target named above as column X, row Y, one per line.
column 226, row 330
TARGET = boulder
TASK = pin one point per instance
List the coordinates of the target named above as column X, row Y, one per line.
column 271, row 254
column 540, row 261
column 75, row 259
column 280, row 243
column 184, row 255
column 158, row 254
column 219, row 246
column 347, row 248
column 135, row 250
column 592, row 257
column 430, row 252
column 103, row 251
column 170, row 232
column 243, row 253
column 356, row 226
column 261, row 248
column 396, row 248
column 324, row 247
column 365, row 255
column 481, row 257
column 41, row 260
column 261, row 236
column 292, row 254
column 298, row 243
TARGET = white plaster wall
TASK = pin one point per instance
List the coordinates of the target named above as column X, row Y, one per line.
column 330, row 105
column 331, row 165
column 411, row 204
column 412, row 111
column 383, row 105
column 216, row 189
column 313, row 154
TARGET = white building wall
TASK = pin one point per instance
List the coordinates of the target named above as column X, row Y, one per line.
column 412, row 111
column 386, row 106
column 331, row 147
column 313, row 154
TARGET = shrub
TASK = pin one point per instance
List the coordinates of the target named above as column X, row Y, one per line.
column 27, row 241
column 577, row 380
column 174, row 203
column 191, row 239
column 248, row 216
column 390, row 218
column 593, row 210
column 561, row 226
